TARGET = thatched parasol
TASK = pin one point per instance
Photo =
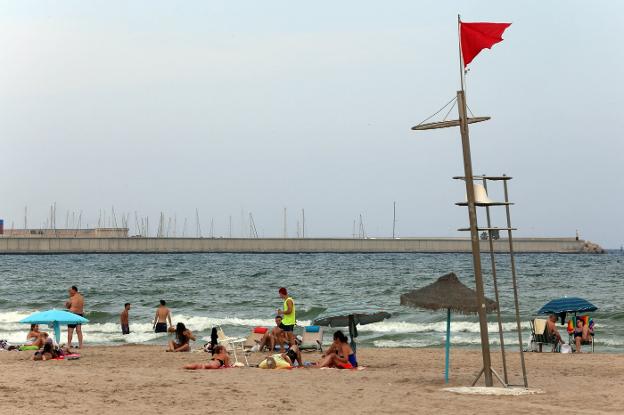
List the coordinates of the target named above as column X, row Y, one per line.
column 450, row 294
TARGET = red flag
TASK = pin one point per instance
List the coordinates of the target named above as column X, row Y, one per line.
column 477, row 36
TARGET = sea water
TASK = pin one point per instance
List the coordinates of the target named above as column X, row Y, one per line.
column 239, row 292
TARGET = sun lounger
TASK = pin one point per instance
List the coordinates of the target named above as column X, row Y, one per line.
column 312, row 339
column 231, row 344
column 540, row 336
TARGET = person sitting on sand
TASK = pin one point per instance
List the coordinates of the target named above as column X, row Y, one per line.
column 273, row 337
column 219, row 359
column 33, row 338
column 582, row 333
column 551, row 327
column 293, row 355
column 339, row 354
column 182, row 342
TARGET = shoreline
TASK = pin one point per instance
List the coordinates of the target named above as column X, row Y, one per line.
column 145, row 379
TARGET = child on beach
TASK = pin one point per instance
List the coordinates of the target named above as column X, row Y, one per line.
column 219, row 359
column 339, row 355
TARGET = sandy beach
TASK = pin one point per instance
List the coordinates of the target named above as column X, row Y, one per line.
column 145, row 379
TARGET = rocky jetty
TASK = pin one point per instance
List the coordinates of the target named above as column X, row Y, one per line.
column 592, row 248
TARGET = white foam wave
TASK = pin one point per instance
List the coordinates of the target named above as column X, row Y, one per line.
column 13, row 316
column 439, row 327
column 402, row 343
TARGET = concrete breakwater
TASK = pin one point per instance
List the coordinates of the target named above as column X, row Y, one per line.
column 11, row 245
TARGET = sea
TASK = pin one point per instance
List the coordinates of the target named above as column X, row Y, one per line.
column 239, row 292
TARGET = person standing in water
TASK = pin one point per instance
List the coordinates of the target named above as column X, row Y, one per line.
column 75, row 305
column 163, row 314
column 288, row 315
column 124, row 319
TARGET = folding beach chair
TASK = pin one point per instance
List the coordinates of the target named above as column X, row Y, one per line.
column 572, row 325
column 312, row 339
column 540, row 336
column 231, row 344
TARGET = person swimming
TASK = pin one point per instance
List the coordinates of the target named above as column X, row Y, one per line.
column 219, row 359
column 339, row 355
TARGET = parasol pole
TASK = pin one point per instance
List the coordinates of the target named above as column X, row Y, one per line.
column 57, row 332
column 352, row 332
column 472, row 215
column 448, row 344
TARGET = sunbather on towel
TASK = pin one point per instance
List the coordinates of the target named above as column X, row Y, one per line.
column 339, row 355
column 182, row 342
column 219, row 359
column 551, row 326
column 48, row 352
column 582, row 333
column 293, row 354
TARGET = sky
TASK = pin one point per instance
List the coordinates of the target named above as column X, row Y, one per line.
column 235, row 107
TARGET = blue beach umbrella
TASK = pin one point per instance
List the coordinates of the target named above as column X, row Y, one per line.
column 55, row 317
column 567, row 305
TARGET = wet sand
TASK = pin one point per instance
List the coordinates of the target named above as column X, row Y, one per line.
column 145, row 379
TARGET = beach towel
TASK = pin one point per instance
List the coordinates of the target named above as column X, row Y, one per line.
column 540, row 326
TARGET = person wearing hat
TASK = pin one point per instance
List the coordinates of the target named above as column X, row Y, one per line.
column 288, row 315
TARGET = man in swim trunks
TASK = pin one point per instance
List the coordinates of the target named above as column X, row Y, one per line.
column 288, row 315
column 124, row 319
column 273, row 337
column 75, row 305
column 551, row 327
column 163, row 314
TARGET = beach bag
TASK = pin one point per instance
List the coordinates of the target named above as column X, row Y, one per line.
column 566, row 348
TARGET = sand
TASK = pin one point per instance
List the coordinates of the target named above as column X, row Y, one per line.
column 145, row 379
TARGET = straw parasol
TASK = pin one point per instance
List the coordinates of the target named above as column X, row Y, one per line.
column 450, row 294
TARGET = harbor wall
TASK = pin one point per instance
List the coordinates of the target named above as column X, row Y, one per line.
column 9, row 245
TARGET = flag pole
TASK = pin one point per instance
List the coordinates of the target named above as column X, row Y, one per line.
column 472, row 216
column 461, row 60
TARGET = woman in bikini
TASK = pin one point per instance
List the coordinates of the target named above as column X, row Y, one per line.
column 339, row 355
column 182, row 342
column 33, row 338
column 219, row 359
column 582, row 334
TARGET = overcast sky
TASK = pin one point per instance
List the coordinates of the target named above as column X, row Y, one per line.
column 249, row 106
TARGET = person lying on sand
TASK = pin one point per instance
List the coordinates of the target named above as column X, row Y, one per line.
column 293, row 354
column 339, row 354
column 219, row 359
column 273, row 337
column 48, row 352
column 582, row 333
column 182, row 341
